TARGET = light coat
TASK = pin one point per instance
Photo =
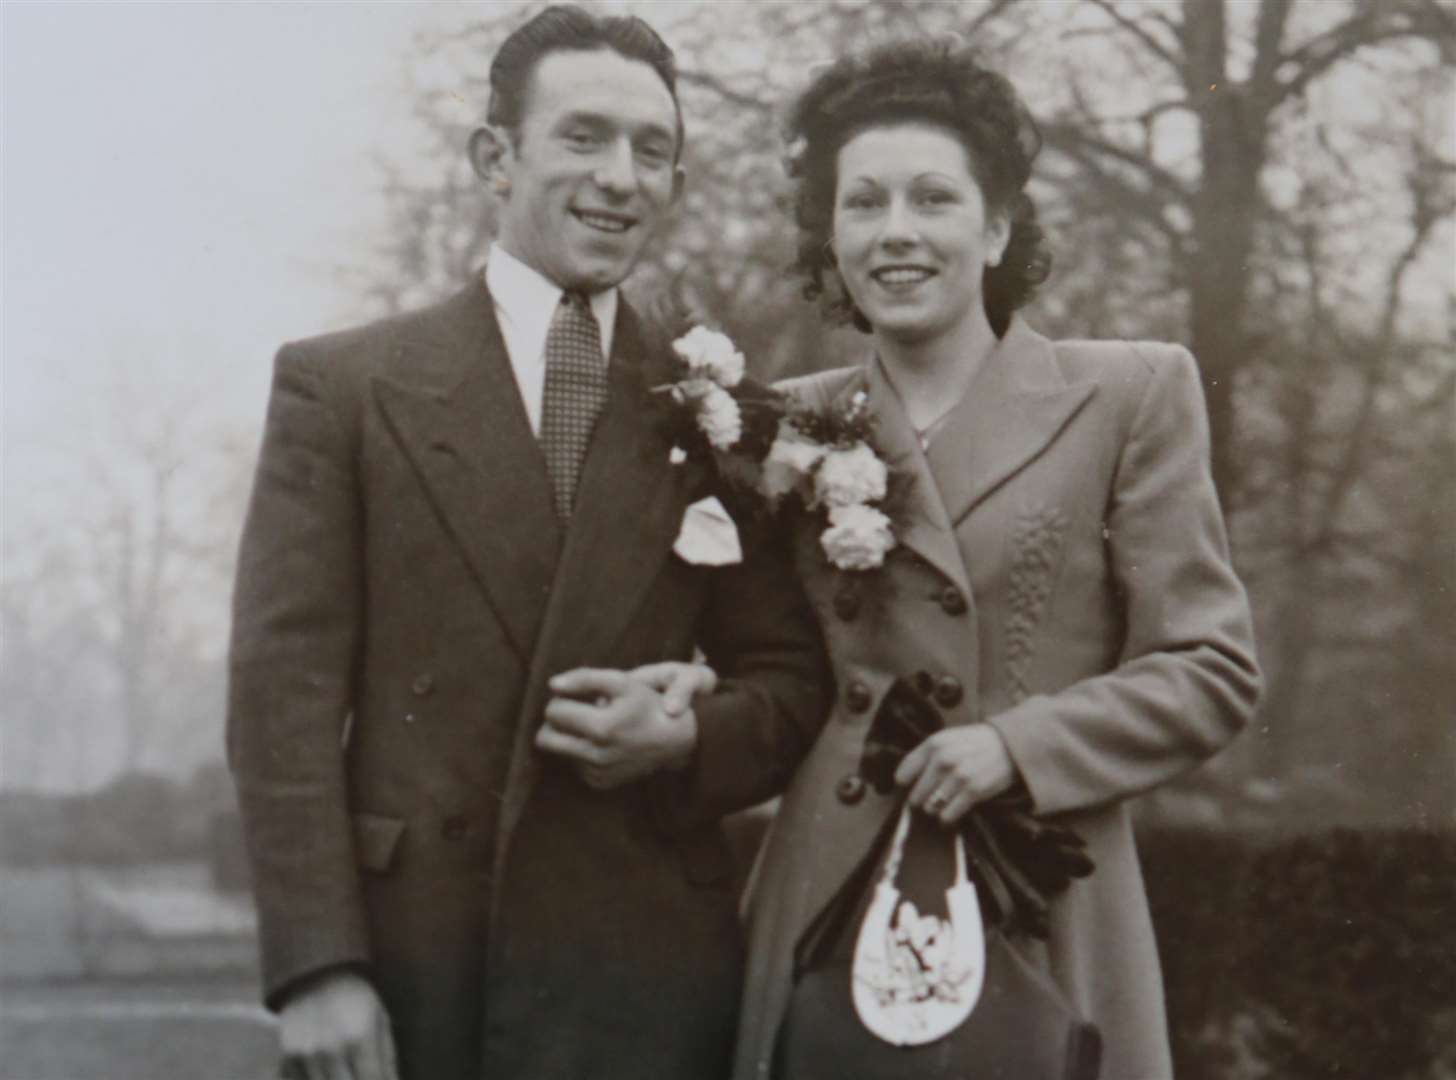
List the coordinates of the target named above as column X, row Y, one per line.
column 1063, row 574
column 404, row 593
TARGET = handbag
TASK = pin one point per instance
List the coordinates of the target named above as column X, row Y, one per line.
column 898, row 979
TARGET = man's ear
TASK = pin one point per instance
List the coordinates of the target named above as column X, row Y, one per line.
column 490, row 151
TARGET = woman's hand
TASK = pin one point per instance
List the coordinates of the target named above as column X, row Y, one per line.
column 955, row 769
column 677, row 682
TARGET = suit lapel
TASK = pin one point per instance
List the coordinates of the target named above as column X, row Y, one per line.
column 629, row 506
column 457, row 413
column 1015, row 407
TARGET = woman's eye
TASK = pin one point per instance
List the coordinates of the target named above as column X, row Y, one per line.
column 936, row 198
column 653, row 154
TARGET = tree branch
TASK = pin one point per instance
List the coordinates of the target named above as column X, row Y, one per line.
column 737, row 97
column 1370, row 27
column 1152, row 44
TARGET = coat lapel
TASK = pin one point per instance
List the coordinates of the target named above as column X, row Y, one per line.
column 1015, row 407
column 924, row 526
column 456, row 410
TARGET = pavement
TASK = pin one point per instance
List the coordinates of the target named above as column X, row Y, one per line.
column 145, row 1029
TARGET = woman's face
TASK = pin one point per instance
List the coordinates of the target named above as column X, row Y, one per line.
column 911, row 231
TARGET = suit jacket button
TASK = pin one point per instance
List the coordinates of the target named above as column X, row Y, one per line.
column 850, row 790
column 454, row 827
column 952, row 602
column 423, row 683
column 948, row 691
column 858, row 697
column 846, row 605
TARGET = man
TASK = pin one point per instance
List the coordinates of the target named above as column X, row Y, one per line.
column 479, row 844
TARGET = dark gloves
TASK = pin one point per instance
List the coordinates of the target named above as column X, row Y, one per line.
column 1019, row 861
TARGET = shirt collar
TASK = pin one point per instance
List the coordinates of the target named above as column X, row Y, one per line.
column 526, row 297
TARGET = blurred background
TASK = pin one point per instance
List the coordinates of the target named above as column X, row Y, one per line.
column 1271, row 182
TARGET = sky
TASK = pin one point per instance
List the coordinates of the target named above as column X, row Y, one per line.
column 179, row 185
column 179, row 182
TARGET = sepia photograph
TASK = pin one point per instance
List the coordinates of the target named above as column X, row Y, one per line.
column 726, row 540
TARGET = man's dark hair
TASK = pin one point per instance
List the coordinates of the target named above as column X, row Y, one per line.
column 568, row 28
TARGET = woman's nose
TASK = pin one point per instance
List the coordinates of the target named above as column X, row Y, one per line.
column 897, row 228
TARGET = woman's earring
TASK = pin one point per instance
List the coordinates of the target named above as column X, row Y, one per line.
column 502, row 186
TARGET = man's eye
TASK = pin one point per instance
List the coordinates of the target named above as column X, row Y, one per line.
column 861, row 202
column 581, row 139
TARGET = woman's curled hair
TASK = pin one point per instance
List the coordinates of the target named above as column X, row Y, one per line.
column 933, row 81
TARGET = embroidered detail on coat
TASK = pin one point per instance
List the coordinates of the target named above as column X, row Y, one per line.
column 1037, row 543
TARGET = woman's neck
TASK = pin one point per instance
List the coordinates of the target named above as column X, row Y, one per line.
column 932, row 376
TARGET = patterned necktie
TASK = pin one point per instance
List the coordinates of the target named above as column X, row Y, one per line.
column 575, row 391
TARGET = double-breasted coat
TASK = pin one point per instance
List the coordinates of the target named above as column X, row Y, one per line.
column 1062, row 574
column 404, row 592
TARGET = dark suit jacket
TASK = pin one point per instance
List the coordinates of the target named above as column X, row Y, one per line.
column 404, row 592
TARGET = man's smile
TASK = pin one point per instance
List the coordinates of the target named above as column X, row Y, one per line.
column 604, row 220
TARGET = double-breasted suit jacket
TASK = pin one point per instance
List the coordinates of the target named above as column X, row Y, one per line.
column 404, row 592
column 1063, row 575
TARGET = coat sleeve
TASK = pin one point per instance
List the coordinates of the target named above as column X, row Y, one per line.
column 1186, row 680
column 759, row 634
column 296, row 616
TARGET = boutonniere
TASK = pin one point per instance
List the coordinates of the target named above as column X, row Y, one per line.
column 716, row 412
column 827, row 459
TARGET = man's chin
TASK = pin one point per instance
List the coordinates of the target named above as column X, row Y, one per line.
column 598, row 274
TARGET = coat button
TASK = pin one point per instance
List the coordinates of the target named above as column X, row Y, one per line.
column 952, row 601
column 846, row 605
column 454, row 827
column 923, row 682
column 850, row 790
column 948, row 691
column 858, row 697
column 423, row 683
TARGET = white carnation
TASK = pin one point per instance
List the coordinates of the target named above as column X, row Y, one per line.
column 848, row 477
column 791, row 458
column 710, row 355
column 858, row 537
column 719, row 418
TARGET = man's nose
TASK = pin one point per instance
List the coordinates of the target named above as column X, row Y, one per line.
column 616, row 172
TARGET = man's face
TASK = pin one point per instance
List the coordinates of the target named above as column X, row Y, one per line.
column 592, row 169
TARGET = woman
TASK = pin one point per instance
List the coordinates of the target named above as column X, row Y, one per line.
column 1059, row 585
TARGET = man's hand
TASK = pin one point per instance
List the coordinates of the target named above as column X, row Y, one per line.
column 615, row 727
column 677, row 682
column 955, row 769
column 336, row 1029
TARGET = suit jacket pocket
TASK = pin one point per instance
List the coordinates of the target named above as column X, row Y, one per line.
column 706, row 859
column 376, row 839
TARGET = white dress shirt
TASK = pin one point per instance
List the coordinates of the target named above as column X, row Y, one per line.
column 525, row 302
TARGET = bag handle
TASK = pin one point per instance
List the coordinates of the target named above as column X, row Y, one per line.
column 897, row 850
